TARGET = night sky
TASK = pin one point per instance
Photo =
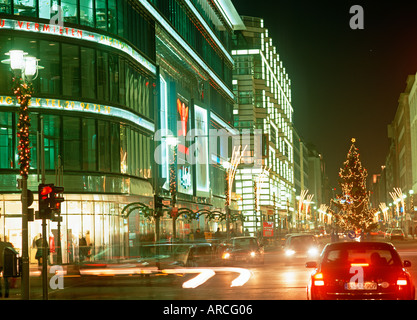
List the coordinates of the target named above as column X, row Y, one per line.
column 345, row 83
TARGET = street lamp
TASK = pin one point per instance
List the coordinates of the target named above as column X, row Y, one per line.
column 25, row 70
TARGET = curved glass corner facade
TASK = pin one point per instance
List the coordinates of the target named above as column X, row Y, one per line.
column 95, row 97
column 95, row 101
column 116, row 17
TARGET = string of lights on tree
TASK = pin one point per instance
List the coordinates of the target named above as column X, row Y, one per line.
column 355, row 212
column 23, row 92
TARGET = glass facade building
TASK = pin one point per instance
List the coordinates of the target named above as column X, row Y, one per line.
column 114, row 72
column 263, row 102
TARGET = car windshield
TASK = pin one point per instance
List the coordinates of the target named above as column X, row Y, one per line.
column 302, row 242
column 397, row 231
column 244, row 242
column 374, row 257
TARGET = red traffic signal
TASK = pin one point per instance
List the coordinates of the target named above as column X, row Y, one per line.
column 45, row 191
column 45, row 196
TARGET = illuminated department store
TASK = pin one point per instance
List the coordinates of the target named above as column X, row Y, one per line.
column 109, row 67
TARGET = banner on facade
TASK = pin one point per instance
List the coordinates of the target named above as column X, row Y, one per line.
column 268, row 227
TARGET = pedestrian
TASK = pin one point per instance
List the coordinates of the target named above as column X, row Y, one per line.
column 39, row 244
column 247, row 232
column 3, row 245
column 83, row 248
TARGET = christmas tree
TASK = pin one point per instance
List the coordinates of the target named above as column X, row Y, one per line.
column 353, row 204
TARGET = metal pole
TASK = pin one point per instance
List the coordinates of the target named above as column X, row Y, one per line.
column 59, row 182
column 45, row 247
column 25, row 289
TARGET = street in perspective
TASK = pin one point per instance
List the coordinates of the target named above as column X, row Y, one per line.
column 207, row 150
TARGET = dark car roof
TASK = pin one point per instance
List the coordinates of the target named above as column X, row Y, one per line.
column 359, row 245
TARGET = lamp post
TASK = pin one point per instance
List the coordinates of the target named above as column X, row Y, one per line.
column 24, row 69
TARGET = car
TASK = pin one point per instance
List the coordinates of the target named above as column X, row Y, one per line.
column 300, row 247
column 395, row 233
column 360, row 270
column 244, row 249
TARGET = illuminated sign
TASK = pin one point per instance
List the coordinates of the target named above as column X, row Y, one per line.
column 69, row 32
column 182, row 125
column 70, row 105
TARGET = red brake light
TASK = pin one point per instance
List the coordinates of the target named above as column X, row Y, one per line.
column 401, row 282
column 318, row 279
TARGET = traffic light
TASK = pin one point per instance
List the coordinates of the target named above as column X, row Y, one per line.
column 45, row 195
column 158, row 202
column 57, row 198
column 55, row 204
column 158, row 205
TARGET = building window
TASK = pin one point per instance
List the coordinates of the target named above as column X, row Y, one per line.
column 89, row 141
column 50, row 76
column 51, row 128
column 70, row 70
column 6, row 140
column 71, row 143
column 69, row 11
column 25, row 8
column 5, row 6
column 86, row 13
column 112, row 17
column 115, row 147
column 102, row 75
column 103, row 146
column 101, row 14
column 88, row 73
column 114, row 77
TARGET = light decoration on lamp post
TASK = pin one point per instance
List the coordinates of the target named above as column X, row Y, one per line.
column 300, row 206
column 259, row 180
column 25, row 69
column 384, row 210
column 397, row 196
column 231, row 168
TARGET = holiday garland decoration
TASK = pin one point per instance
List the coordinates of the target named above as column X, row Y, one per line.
column 355, row 212
column 23, row 92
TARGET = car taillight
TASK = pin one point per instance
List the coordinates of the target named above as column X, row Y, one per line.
column 318, row 279
column 226, row 255
column 402, row 282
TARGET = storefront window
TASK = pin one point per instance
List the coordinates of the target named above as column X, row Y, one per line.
column 25, row 8
column 69, row 8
